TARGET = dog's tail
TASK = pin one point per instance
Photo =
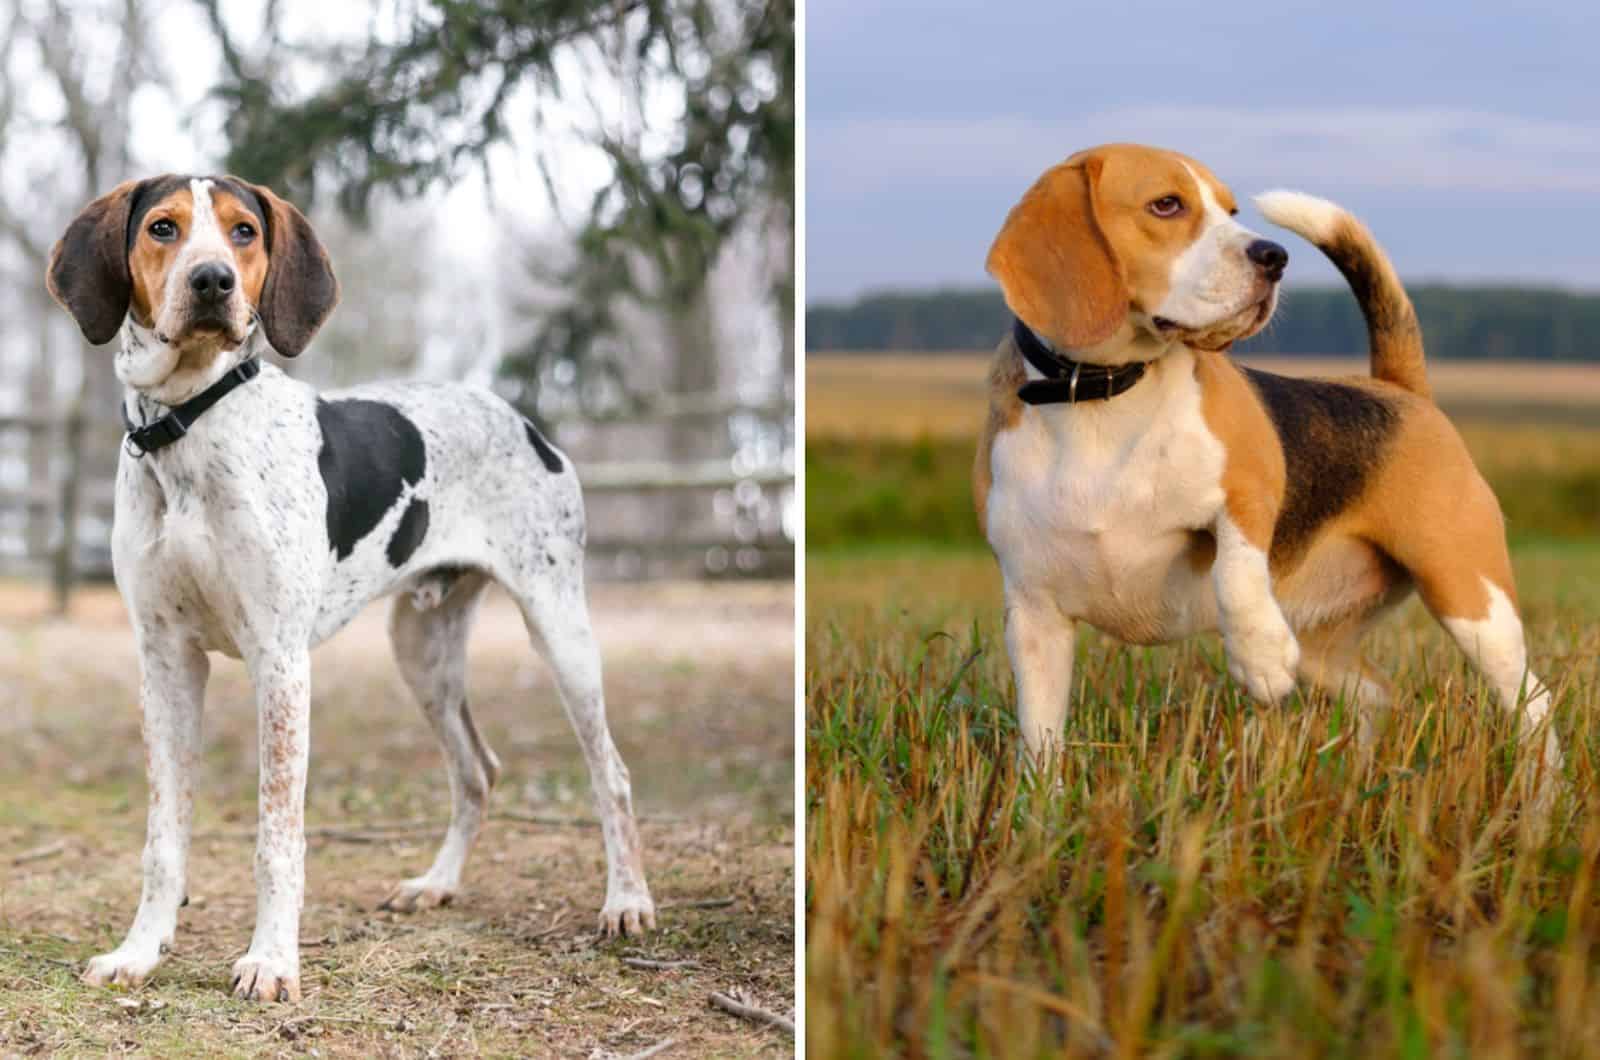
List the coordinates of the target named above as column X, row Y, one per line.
column 1391, row 321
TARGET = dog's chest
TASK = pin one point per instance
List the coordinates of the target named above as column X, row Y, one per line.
column 1107, row 514
column 214, row 534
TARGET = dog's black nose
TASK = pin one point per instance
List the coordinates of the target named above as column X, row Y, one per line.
column 1267, row 254
column 211, row 282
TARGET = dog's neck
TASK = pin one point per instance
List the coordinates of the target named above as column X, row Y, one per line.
column 1131, row 342
column 157, row 377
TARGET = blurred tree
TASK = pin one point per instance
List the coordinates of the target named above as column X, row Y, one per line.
column 428, row 106
column 68, row 75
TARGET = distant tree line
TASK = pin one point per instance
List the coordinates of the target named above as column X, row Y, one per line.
column 1483, row 323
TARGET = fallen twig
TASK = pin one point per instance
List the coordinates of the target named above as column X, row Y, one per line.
column 750, row 1012
column 21, row 951
column 379, row 832
column 699, row 903
column 564, row 821
column 651, row 964
column 49, row 850
column 655, row 1050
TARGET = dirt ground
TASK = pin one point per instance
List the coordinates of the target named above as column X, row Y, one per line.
column 699, row 680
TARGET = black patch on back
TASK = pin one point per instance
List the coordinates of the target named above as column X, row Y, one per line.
column 1333, row 436
column 409, row 534
column 548, row 456
column 370, row 453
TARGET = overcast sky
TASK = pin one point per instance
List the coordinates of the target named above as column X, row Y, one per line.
column 1467, row 136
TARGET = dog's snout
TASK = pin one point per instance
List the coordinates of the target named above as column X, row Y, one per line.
column 212, row 281
column 1269, row 256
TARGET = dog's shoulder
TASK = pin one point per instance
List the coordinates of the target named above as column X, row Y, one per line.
column 1006, row 377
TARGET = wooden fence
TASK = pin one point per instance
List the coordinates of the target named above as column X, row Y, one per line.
column 76, row 505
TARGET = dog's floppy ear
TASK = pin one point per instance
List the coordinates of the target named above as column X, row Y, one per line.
column 300, row 290
column 88, row 271
column 1059, row 274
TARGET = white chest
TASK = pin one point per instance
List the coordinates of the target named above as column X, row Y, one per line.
column 1105, row 510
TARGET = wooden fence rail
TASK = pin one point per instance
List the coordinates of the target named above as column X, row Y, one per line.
column 69, row 493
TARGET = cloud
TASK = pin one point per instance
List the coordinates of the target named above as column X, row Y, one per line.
column 1409, row 148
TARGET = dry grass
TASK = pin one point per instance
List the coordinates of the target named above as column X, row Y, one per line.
column 902, row 395
column 1194, row 876
column 699, row 680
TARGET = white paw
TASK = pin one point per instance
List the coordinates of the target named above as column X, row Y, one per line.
column 123, row 966
column 1264, row 660
column 266, row 978
column 632, row 913
column 416, row 894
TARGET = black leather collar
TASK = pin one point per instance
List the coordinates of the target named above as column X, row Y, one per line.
column 175, row 424
column 1070, row 382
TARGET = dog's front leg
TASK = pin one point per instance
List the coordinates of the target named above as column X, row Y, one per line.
column 1261, row 648
column 1040, row 640
column 270, row 971
column 172, row 696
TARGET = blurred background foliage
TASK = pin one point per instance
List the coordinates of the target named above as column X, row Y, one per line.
column 427, row 107
column 1461, row 322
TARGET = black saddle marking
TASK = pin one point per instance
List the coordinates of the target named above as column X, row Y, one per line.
column 409, row 534
column 548, row 456
column 1334, row 437
column 370, row 453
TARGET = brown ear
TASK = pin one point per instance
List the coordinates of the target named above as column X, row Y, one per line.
column 88, row 271
column 300, row 290
column 1059, row 274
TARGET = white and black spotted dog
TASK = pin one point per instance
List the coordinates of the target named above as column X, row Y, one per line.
column 264, row 525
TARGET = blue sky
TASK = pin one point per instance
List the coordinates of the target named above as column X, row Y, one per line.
column 1466, row 136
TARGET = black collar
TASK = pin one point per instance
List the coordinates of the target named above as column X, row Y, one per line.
column 1067, row 381
column 176, row 423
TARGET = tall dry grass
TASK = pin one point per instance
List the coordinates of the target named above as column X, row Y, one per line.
column 1193, row 875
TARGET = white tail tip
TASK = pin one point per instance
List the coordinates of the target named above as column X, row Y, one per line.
column 1316, row 219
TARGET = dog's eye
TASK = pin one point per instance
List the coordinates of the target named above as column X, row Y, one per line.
column 243, row 233
column 163, row 231
column 1166, row 206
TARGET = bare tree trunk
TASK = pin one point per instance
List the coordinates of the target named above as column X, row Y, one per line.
column 694, row 370
column 41, row 445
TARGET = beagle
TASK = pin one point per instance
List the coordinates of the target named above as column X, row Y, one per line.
column 1132, row 477
column 255, row 517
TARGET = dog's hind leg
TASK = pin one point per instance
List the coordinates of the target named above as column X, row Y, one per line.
column 1490, row 633
column 1463, row 572
column 430, row 644
column 1330, row 659
column 557, row 615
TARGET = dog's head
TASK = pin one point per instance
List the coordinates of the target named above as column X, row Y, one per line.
column 1122, row 239
column 194, row 261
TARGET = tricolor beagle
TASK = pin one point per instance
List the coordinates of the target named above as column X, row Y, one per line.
column 255, row 518
column 1132, row 477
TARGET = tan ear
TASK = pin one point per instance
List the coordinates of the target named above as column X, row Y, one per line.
column 300, row 290
column 1059, row 274
column 88, row 271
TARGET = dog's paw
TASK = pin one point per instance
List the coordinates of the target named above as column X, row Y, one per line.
column 1264, row 660
column 123, row 966
column 417, row 894
column 266, row 978
column 629, row 914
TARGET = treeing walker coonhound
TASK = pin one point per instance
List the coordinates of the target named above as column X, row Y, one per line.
column 1132, row 477
column 255, row 517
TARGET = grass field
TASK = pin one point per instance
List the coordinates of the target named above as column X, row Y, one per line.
column 700, row 686
column 1196, row 875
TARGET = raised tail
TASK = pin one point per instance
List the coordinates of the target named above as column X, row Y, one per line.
column 1392, row 329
